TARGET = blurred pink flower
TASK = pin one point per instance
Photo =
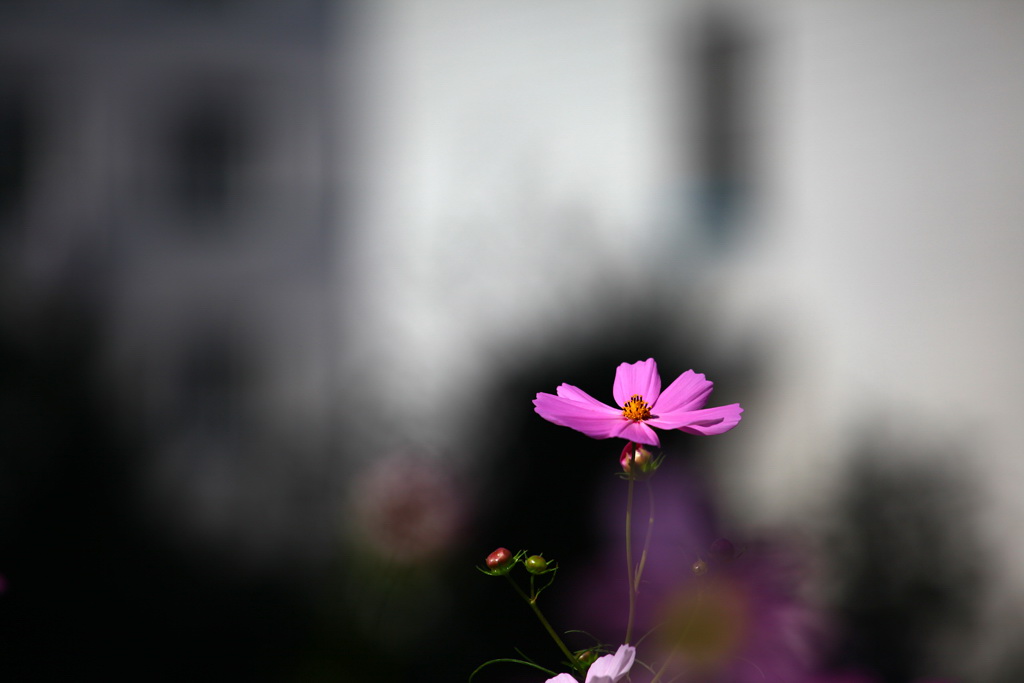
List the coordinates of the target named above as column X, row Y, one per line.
column 744, row 617
column 607, row 669
column 856, row 677
column 408, row 509
column 642, row 405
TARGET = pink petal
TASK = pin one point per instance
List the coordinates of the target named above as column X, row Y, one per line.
column 570, row 392
column 597, row 421
column 637, row 378
column 707, row 422
column 638, row 432
column 689, row 391
column 562, row 678
column 611, row 668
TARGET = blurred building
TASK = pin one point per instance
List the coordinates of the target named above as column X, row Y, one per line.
column 169, row 164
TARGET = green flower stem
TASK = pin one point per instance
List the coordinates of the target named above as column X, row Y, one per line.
column 647, row 537
column 629, row 553
column 532, row 602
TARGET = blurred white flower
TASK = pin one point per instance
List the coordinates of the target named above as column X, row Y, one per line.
column 607, row 669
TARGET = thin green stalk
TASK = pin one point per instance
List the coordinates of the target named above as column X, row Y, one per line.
column 532, row 602
column 629, row 553
column 647, row 537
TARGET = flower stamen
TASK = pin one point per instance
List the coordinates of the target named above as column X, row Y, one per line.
column 636, row 409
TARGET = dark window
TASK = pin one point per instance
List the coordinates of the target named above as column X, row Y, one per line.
column 16, row 138
column 208, row 150
column 723, row 107
column 211, row 384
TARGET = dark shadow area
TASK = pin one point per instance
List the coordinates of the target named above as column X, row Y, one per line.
column 910, row 564
column 92, row 590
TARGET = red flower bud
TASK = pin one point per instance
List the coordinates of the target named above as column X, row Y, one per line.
column 499, row 558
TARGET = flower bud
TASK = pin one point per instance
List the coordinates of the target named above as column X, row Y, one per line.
column 499, row 559
column 699, row 568
column 722, row 550
column 637, row 458
column 535, row 564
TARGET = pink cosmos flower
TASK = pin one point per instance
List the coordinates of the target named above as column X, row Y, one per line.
column 642, row 405
column 607, row 669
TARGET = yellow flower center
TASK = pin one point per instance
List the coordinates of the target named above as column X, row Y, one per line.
column 636, row 409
